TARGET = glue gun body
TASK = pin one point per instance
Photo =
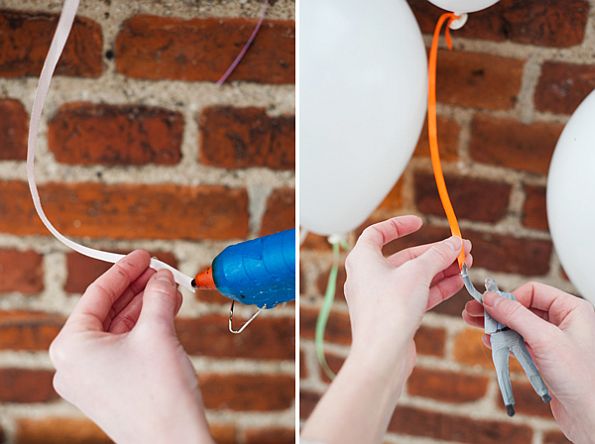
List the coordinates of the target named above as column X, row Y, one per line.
column 259, row 272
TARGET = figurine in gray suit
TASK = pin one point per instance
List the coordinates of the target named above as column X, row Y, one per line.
column 505, row 341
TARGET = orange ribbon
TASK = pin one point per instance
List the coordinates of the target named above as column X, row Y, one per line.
column 433, row 130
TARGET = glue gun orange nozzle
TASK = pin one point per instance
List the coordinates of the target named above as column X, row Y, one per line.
column 204, row 280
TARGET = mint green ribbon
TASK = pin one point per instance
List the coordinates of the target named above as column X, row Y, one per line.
column 329, row 298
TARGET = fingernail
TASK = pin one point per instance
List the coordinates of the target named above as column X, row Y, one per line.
column 454, row 242
column 165, row 276
column 490, row 299
column 467, row 244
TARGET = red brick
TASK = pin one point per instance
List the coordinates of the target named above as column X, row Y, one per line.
column 463, row 429
column 83, row 270
column 308, row 401
column 555, row 438
column 508, row 254
column 323, row 279
column 58, row 430
column 276, row 435
column 280, row 212
column 534, row 208
column 455, row 305
column 315, row 242
column 496, row 252
column 247, row 392
column 303, row 366
column 127, row 211
column 527, row 401
column 21, row 271
column 428, row 340
column 338, row 328
column 268, row 338
column 88, row 133
column 563, row 86
column 246, row 137
column 28, row 330
column 446, row 386
column 21, row 385
column 152, row 47
column 211, row 297
column 478, row 80
column 334, row 362
column 474, row 199
column 512, row 144
column 448, row 133
column 469, row 350
column 14, row 126
column 427, row 234
column 30, row 34
column 223, row 433
column 394, row 199
column 534, row 22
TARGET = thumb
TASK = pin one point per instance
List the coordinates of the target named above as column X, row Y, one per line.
column 515, row 315
column 160, row 301
column 439, row 257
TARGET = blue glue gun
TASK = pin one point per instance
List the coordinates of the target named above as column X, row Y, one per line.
column 259, row 271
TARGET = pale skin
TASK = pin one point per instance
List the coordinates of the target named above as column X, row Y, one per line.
column 387, row 298
column 559, row 330
column 119, row 361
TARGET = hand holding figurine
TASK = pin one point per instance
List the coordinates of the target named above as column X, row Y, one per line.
column 559, row 330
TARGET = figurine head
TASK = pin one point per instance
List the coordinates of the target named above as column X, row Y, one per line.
column 491, row 285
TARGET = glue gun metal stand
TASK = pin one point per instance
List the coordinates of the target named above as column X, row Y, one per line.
column 505, row 341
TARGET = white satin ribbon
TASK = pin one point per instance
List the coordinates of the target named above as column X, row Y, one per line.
column 65, row 22
column 58, row 41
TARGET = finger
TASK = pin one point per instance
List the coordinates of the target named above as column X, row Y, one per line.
column 135, row 288
column 436, row 259
column 400, row 257
column 378, row 235
column 131, row 292
column 160, row 302
column 486, row 341
column 95, row 304
column 443, row 290
column 518, row 317
column 473, row 321
column 128, row 317
column 557, row 303
column 453, row 270
column 474, row 308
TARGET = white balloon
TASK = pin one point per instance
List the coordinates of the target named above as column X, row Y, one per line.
column 363, row 89
column 463, row 6
column 571, row 198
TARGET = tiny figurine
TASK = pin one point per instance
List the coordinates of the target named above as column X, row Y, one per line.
column 505, row 341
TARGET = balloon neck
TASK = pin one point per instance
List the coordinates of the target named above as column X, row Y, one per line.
column 460, row 21
column 337, row 239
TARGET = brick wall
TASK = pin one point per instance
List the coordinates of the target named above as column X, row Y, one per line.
column 516, row 74
column 140, row 149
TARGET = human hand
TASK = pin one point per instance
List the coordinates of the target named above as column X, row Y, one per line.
column 387, row 296
column 559, row 330
column 119, row 361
